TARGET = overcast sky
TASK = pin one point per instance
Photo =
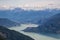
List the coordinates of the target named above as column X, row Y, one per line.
column 30, row 3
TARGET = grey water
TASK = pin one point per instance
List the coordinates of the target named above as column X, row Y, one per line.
column 35, row 36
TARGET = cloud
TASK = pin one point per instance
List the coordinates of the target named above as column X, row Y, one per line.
column 31, row 4
column 40, row 5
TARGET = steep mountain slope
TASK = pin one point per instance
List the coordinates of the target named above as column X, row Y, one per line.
column 8, row 23
column 7, row 34
column 51, row 25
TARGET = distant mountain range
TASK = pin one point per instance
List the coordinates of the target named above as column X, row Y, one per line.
column 28, row 16
column 6, row 34
column 8, row 23
column 51, row 25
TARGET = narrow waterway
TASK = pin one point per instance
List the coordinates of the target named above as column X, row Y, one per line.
column 34, row 35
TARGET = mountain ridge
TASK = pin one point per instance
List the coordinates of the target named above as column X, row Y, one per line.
column 27, row 16
column 12, row 35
